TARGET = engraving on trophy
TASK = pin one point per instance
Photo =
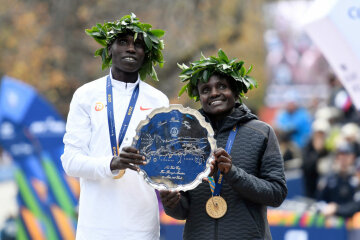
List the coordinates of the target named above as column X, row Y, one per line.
column 177, row 144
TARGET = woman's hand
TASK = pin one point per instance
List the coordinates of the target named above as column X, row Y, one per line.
column 169, row 199
column 222, row 160
column 128, row 158
column 213, row 168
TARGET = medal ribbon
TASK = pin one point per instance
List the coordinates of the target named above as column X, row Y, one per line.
column 110, row 113
column 218, row 184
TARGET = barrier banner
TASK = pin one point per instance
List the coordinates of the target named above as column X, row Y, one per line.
column 31, row 131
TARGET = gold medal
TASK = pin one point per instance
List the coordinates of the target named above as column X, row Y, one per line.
column 121, row 173
column 216, row 207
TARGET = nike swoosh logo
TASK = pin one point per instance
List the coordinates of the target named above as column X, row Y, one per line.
column 144, row 109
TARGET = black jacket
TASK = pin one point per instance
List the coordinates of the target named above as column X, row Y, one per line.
column 256, row 180
column 311, row 157
column 336, row 188
column 350, row 208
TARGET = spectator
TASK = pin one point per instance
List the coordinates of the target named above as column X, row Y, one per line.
column 350, row 132
column 312, row 154
column 294, row 120
column 340, row 99
column 289, row 150
column 333, row 116
column 350, row 208
column 338, row 187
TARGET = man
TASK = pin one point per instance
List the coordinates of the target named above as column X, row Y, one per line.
column 347, row 209
column 294, row 120
column 313, row 153
column 251, row 172
column 115, row 204
column 338, row 186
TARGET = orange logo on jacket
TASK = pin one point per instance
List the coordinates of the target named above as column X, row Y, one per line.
column 144, row 109
column 99, row 106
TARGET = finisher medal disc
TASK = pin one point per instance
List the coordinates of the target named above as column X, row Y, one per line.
column 216, row 207
column 121, row 173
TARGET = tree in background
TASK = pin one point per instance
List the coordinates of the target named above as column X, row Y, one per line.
column 44, row 43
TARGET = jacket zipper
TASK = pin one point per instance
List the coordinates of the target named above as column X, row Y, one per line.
column 216, row 229
column 216, row 220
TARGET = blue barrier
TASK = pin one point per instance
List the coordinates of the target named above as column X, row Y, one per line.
column 174, row 232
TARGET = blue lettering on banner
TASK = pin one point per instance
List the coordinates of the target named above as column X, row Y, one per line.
column 7, row 131
column 354, row 13
column 48, row 125
column 21, row 149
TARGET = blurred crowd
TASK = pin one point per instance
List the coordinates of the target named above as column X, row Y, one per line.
column 323, row 141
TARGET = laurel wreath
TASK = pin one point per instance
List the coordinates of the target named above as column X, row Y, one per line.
column 204, row 68
column 105, row 34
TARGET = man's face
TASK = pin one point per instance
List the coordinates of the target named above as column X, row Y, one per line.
column 291, row 107
column 345, row 161
column 216, row 96
column 127, row 55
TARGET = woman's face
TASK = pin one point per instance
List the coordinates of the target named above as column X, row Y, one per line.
column 216, row 96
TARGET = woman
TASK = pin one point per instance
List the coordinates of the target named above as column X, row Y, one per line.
column 253, row 174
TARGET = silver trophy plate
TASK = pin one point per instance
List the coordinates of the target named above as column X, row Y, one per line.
column 178, row 144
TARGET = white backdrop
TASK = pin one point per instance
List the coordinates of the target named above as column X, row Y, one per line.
column 334, row 26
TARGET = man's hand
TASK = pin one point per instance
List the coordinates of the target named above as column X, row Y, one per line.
column 128, row 158
column 169, row 199
column 223, row 160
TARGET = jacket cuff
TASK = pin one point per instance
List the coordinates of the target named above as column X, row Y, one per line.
column 175, row 212
column 108, row 171
column 231, row 174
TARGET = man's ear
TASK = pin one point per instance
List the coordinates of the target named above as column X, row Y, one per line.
column 109, row 50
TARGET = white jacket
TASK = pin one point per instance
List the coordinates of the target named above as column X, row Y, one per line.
column 124, row 208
